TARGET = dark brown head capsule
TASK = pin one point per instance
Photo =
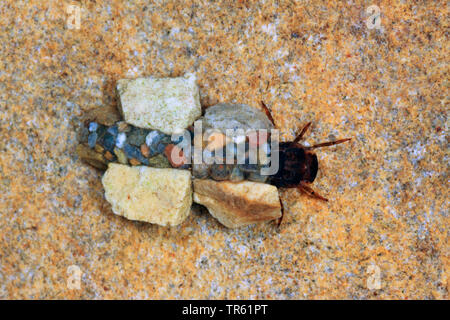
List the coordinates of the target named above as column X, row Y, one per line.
column 298, row 164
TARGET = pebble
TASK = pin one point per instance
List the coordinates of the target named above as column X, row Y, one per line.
column 145, row 150
column 109, row 141
column 113, row 130
column 109, row 156
column 200, row 171
column 220, row 171
column 121, row 138
column 121, row 157
column 137, row 136
column 236, row 174
column 257, row 177
column 159, row 161
column 152, row 138
column 90, row 156
column 134, row 162
column 99, row 148
column 123, row 126
column 93, row 126
column 246, row 167
column 133, row 152
column 92, row 139
column 83, row 134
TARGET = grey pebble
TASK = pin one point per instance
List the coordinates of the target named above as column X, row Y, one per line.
column 92, row 139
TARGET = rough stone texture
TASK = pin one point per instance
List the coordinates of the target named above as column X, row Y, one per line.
column 238, row 204
column 308, row 61
column 165, row 104
column 161, row 196
column 223, row 116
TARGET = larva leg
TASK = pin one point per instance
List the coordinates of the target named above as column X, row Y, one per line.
column 302, row 133
column 310, row 192
column 268, row 113
column 282, row 214
column 327, row 144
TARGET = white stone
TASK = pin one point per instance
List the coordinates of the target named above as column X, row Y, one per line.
column 160, row 196
column 165, row 104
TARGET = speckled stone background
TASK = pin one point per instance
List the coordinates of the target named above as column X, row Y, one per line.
column 309, row 61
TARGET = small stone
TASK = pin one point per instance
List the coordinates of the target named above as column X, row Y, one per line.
column 121, row 157
column 109, row 141
column 122, row 126
column 113, row 130
column 134, row 152
column 109, row 156
column 248, row 167
column 257, row 177
column 101, row 131
column 175, row 155
column 121, row 138
column 153, row 138
column 92, row 139
column 83, row 134
column 220, row 171
column 137, row 136
column 93, row 126
column 236, row 174
column 159, row 148
column 159, row 161
column 237, row 204
column 145, row 150
column 88, row 155
column 165, row 104
column 99, row 148
column 160, row 196
column 134, row 162
column 200, row 171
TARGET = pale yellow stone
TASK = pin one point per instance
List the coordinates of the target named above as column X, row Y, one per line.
column 160, row 196
column 237, row 204
column 165, row 104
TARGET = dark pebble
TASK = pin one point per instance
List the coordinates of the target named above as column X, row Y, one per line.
column 113, row 130
column 256, row 177
column 236, row 174
column 136, row 136
column 248, row 167
column 109, row 141
column 200, row 171
column 159, row 148
column 134, row 152
column 220, row 171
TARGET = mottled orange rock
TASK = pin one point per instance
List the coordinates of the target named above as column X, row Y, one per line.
column 308, row 61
